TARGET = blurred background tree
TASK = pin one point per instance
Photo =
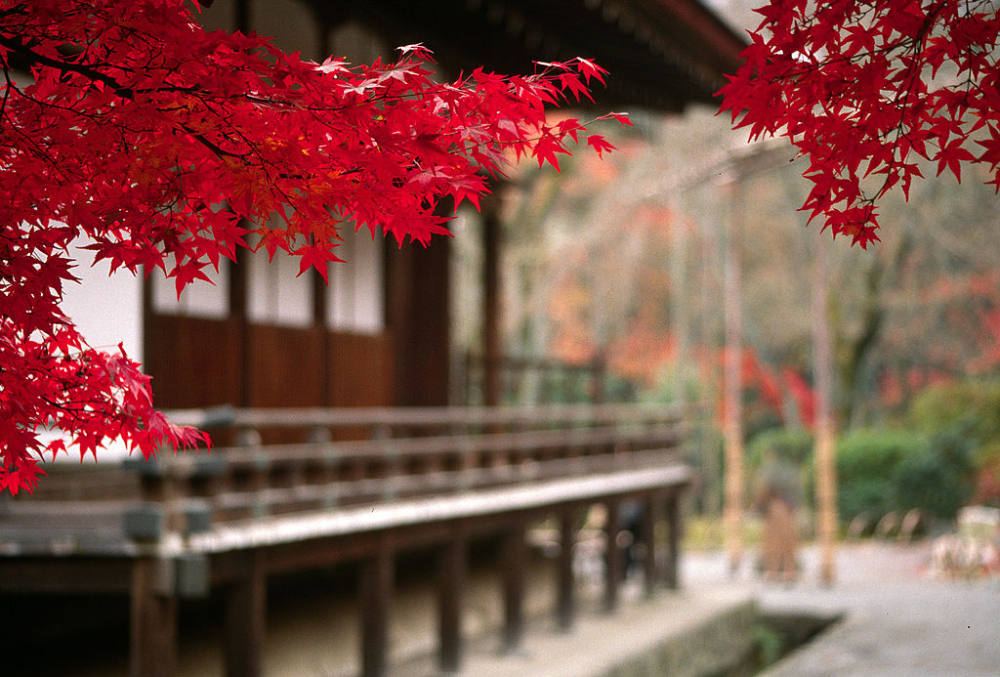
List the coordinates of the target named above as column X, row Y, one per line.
column 621, row 261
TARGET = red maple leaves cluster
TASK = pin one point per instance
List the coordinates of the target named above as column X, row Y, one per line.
column 867, row 90
column 164, row 145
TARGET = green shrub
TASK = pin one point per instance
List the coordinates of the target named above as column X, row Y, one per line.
column 864, row 495
column 927, row 481
column 972, row 407
column 964, row 417
column 940, row 479
column 883, row 470
column 867, row 462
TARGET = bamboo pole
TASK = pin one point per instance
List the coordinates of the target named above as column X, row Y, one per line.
column 733, row 382
column 826, row 475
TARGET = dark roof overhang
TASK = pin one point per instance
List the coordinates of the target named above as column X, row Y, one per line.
column 662, row 54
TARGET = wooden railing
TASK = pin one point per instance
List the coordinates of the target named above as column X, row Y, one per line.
column 444, row 451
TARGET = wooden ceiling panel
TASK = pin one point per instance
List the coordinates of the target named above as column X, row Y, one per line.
column 662, row 54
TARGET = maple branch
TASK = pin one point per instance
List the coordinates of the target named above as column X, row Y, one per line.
column 6, row 91
column 34, row 57
column 124, row 92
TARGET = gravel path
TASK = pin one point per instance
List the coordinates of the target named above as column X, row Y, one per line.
column 897, row 620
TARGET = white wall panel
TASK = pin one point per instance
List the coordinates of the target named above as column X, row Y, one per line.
column 106, row 310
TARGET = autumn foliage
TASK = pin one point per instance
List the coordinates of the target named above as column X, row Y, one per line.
column 165, row 146
column 869, row 90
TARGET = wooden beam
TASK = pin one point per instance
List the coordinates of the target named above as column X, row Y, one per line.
column 565, row 581
column 246, row 619
column 404, row 515
column 153, row 620
column 513, row 564
column 46, row 574
column 451, row 588
column 376, row 598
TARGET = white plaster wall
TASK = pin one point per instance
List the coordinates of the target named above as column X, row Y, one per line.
column 106, row 310
column 276, row 294
column 199, row 298
column 355, row 295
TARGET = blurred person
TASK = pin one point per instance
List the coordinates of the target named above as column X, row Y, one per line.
column 777, row 497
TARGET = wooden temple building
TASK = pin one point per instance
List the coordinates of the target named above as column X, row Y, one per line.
column 341, row 440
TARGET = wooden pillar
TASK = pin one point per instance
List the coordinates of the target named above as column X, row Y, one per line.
column 246, row 619
column 652, row 506
column 513, row 562
column 319, row 312
column 239, row 284
column 451, row 586
column 565, row 582
column 670, row 576
column 492, row 352
column 153, row 620
column 376, row 597
column 613, row 563
column 417, row 307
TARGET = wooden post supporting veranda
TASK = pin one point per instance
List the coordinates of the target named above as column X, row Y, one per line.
column 565, row 580
column 513, row 561
column 377, row 572
column 826, row 472
column 670, row 567
column 153, row 619
column 246, row 613
column 451, row 585
column 613, row 563
column 492, row 351
column 653, row 506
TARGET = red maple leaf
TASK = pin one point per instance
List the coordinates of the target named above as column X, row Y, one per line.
column 850, row 83
column 163, row 145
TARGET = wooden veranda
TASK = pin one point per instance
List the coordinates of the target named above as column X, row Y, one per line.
column 362, row 485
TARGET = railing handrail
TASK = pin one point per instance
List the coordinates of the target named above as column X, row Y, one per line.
column 401, row 447
column 233, row 417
